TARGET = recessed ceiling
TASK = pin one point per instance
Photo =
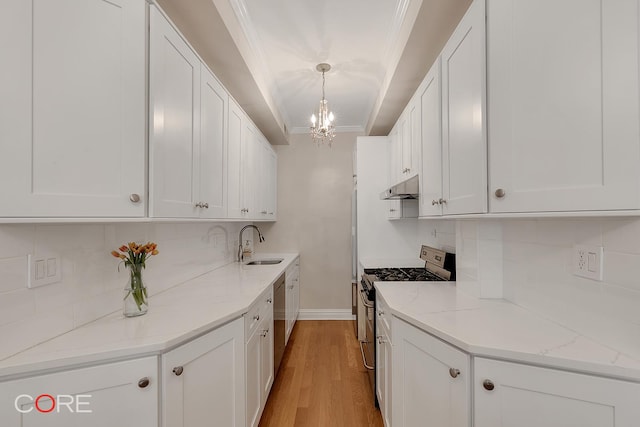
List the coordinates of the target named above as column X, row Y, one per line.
column 356, row 37
column 265, row 52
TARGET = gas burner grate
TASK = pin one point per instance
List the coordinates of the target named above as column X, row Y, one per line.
column 403, row 274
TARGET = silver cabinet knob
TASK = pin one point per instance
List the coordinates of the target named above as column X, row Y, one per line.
column 178, row 370
column 135, row 198
column 269, row 300
column 392, row 210
column 381, row 340
column 199, row 205
column 488, row 385
column 144, row 382
column 205, row 205
column 380, row 312
column 442, row 201
column 265, row 332
column 454, row 372
column 434, row 202
column 500, row 193
column 263, row 212
column 256, row 317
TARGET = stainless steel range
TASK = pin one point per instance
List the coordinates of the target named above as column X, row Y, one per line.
column 439, row 266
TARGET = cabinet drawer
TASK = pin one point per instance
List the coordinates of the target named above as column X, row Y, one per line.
column 383, row 317
column 259, row 310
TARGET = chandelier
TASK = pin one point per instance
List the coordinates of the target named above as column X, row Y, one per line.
column 322, row 128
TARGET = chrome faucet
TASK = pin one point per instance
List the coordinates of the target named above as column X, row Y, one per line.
column 260, row 238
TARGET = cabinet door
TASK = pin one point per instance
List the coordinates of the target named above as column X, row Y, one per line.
column 527, row 396
column 250, row 152
column 431, row 174
column 111, row 393
column 463, row 116
column 564, row 113
column 72, row 109
column 213, row 147
column 204, row 380
column 412, row 144
column 235, row 199
column 383, row 361
column 272, row 176
column 254, row 381
column 431, row 380
column 266, row 356
column 174, row 96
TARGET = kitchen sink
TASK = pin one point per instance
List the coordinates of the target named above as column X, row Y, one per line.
column 266, row 261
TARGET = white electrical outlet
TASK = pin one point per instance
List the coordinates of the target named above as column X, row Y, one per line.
column 588, row 261
column 43, row 270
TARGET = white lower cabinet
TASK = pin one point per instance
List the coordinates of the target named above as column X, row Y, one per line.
column 384, row 358
column 431, row 380
column 292, row 297
column 204, row 380
column 114, row 394
column 516, row 395
column 259, row 356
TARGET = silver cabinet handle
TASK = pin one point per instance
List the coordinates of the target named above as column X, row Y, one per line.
column 454, row 372
column 380, row 312
column 488, row 385
column 135, row 198
column 434, row 202
column 392, row 210
column 263, row 212
column 256, row 317
column 265, row 332
column 442, row 201
column 205, row 205
column 269, row 300
column 178, row 370
column 144, row 382
column 500, row 193
column 381, row 340
column 199, row 205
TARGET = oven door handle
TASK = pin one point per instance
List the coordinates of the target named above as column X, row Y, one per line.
column 364, row 301
column 364, row 359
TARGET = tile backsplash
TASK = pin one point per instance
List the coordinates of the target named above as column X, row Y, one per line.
column 91, row 285
column 529, row 262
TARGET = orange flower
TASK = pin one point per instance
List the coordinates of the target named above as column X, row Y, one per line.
column 123, row 248
column 115, row 254
column 155, row 252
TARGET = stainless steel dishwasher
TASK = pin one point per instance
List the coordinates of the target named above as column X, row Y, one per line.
column 279, row 323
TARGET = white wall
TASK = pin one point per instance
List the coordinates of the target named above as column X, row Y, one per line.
column 530, row 263
column 91, row 285
column 314, row 218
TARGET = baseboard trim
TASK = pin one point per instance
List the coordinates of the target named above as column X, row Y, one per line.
column 330, row 314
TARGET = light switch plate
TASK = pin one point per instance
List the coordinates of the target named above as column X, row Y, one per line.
column 588, row 261
column 43, row 270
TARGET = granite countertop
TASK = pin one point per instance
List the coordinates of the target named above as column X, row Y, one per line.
column 499, row 329
column 175, row 316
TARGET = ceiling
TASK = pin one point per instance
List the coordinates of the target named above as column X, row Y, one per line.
column 265, row 52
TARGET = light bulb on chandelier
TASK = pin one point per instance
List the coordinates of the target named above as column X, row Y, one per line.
column 322, row 127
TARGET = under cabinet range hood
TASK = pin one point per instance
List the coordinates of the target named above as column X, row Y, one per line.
column 407, row 189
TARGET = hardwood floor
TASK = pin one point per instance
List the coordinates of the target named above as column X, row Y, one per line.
column 321, row 382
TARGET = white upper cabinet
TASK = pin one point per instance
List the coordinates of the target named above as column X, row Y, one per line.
column 174, row 137
column 564, row 116
column 464, row 150
column 188, row 141
column 213, row 146
column 235, row 200
column 429, row 95
column 72, row 109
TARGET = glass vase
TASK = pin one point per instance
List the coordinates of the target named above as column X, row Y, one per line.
column 136, row 302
